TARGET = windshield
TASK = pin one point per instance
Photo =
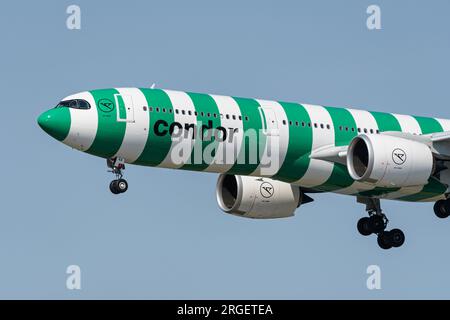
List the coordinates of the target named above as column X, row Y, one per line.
column 74, row 104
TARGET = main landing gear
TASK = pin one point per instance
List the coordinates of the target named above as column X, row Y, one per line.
column 442, row 208
column 119, row 185
column 376, row 223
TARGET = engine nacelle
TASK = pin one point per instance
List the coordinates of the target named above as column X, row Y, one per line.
column 258, row 198
column 388, row 161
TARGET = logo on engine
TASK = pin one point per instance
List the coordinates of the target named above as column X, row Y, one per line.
column 266, row 189
column 398, row 156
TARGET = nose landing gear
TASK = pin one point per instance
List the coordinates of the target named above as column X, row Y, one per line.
column 119, row 185
column 376, row 223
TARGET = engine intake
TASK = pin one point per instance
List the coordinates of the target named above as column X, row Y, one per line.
column 388, row 161
column 258, row 198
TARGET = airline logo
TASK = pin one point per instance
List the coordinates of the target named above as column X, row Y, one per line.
column 399, row 156
column 191, row 131
column 266, row 190
column 105, row 105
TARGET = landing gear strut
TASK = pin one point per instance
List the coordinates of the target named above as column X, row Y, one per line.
column 376, row 223
column 119, row 185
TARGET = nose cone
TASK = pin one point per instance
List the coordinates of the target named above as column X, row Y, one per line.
column 56, row 122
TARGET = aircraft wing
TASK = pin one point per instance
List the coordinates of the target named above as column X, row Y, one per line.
column 439, row 142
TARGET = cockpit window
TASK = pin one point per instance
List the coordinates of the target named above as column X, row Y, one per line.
column 74, row 104
column 83, row 104
column 63, row 104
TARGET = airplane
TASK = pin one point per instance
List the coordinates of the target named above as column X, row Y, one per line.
column 271, row 156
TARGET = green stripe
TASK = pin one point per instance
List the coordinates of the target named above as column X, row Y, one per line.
column 205, row 104
column 249, row 108
column 343, row 122
column 386, row 121
column 122, row 109
column 56, row 122
column 299, row 145
column 428, row 125
column 110, row 132
column 157, row 147
column 432, row 189
column 378, row 191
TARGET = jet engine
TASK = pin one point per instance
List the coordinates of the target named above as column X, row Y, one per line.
column 258, row 198
column 389, row 161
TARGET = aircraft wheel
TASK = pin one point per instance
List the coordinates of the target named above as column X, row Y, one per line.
column 384, row 240
column 441, row 209
column 376, row 223
column 364, row 226
column 122, row 185
column 397, row 237
column 113, row 187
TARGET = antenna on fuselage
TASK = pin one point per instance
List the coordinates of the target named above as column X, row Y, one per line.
column 153, row 86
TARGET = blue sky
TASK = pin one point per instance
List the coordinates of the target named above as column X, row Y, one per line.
column 166, row 237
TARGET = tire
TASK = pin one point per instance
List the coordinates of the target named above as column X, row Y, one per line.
column 113, row 187
column 384, row 240
column 441, row 209
column 376, row 223
column 397, row 238
column 364, row 226
column 122, row 185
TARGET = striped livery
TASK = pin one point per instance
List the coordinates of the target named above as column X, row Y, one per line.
column 137, row 125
